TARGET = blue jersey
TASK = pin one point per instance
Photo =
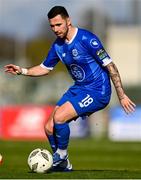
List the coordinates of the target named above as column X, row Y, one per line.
column 84, row 58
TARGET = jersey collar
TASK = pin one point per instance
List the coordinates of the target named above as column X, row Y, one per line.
column 69, row 42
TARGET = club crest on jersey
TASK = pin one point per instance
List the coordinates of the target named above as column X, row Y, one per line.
column 74, row 52
column 94, row 43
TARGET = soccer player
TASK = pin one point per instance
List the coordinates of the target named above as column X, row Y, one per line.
column 91, row 69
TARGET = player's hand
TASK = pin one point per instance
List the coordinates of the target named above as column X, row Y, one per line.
column 127, row 104
column 13, row 69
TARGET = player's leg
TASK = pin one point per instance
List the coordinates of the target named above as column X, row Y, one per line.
column 64, row 113
column 49, row 131
column 83, row 103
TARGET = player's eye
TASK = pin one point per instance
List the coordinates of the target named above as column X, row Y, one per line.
column 52, row 26
column 59, row 24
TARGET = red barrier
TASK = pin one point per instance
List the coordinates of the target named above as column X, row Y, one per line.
column 24, row 122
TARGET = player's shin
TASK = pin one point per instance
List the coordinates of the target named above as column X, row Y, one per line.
column 52, row 141
column 62, row 137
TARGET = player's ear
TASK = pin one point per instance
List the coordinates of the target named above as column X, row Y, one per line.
column 68, row 21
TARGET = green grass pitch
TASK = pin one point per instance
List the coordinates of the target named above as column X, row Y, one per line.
column 91, row 159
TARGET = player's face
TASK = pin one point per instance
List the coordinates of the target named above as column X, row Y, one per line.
column 60, row 26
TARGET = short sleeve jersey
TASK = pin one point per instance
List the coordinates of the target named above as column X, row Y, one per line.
column 84, row 57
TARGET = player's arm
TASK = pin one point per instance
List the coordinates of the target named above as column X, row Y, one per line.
column 125, row 102
column 33, row 71
column 40, row 70
column 97, row 50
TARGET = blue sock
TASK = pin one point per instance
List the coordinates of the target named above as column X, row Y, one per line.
column 62, row 132
column 52, row 142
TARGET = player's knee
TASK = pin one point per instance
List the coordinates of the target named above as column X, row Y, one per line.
column 48, row 129
column 58, row 118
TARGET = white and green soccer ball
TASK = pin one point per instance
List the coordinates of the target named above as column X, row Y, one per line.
column 40, row 160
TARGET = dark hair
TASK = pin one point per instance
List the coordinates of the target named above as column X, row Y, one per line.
column 57, row 10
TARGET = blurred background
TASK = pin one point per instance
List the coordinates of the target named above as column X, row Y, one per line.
column 25, row 38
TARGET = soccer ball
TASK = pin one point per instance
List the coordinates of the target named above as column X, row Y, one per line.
column 40, row 160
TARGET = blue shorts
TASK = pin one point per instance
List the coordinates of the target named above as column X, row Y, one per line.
column 85, row 101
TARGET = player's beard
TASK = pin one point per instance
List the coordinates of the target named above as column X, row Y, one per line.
column 64, row 35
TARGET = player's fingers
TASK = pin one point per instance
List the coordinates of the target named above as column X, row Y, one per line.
column 132, row 107
column 133, row 104
column 8, row 69
column 11, row 71
column 9, row 66
column 126, row 110
column 129, row 108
